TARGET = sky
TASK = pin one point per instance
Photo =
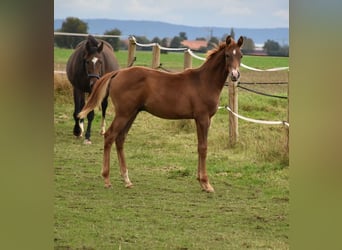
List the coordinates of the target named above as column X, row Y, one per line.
column 201, row 13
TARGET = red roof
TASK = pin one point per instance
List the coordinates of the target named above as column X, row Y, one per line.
column 194, row 45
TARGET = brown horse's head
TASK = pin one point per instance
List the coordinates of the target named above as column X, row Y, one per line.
column 233, row 57
column 93, row 59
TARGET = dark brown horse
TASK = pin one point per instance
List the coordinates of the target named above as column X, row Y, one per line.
column 191, row 94
column 91, row 59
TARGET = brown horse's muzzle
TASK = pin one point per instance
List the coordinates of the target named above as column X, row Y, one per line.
column 92, row 79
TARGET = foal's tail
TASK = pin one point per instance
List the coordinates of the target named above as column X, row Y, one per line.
column 99, row 91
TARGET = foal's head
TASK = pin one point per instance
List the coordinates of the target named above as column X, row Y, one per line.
column 233, row 57
column 93, row 59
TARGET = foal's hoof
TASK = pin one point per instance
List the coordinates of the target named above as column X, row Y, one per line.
column 207, row 188
column 87, row 142
column 129, row 185
column 108, row 185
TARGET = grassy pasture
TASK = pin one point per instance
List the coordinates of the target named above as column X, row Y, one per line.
column 166, row 209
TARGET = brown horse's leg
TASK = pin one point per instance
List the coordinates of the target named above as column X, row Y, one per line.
column 79, row 99
column 202, row 134
column 104, row 105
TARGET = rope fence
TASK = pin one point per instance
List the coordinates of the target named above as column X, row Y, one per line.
column 255, row 120
column 261, row 93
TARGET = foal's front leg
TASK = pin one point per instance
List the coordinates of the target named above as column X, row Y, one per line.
column 119, row 142
column 202, row 126
column 116, row 132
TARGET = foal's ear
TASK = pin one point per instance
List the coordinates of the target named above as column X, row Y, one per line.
column 100, row 47
column 240, row 41
column 228, row 40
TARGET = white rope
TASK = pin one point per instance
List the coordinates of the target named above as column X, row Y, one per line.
column 172, row 49
column 254, row 120
column 59, row 72
column 242, row 65
column 145, row 45
column 261, row 70
column 196, row 56
column 156, row 44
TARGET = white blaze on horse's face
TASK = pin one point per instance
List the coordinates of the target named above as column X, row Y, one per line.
column 93, row 69
column 94, row 60
column 233, row 58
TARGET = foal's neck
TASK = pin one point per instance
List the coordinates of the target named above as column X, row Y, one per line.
column 214, row 71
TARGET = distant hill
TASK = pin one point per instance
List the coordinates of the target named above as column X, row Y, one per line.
column 152, row 29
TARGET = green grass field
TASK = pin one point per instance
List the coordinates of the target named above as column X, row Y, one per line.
column 166, row 208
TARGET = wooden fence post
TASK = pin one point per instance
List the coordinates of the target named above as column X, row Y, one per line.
column 131, row 51
column 155, row 56
column 187, row 60
column 233, row 120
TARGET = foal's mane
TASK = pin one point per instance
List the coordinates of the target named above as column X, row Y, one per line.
column 215, row 50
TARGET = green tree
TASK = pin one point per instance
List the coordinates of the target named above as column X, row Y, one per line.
column 183, row 36
column 248, row 44
column 213, row 42
column 114, row 41
column 176, row 42
column 156, row 40
column 272, row 47
column 232, row 33
column 164, row 43
column 71, row 25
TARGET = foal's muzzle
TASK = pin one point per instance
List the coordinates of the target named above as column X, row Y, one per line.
column 235, row 75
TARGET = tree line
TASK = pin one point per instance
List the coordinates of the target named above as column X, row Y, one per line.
column 75, row 25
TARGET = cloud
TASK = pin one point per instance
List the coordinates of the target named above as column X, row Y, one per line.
column 241, row 13
column 283, row 14
column 234, row 11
